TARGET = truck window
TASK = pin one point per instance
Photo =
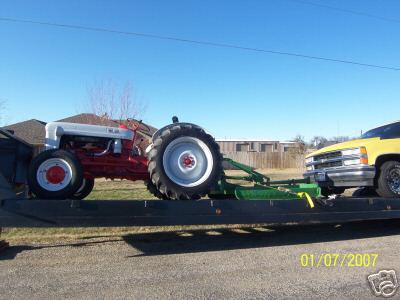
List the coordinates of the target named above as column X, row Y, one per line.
column 393, row 132
column 390, row 131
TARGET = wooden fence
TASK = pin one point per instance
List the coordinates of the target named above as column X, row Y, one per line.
column 268, row 160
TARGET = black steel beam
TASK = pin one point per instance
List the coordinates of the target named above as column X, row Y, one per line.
column 91, row 213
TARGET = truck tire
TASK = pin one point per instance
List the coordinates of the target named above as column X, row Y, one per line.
column 388, row 181
column 85, row 189
column 55, row 174
column 184, row 162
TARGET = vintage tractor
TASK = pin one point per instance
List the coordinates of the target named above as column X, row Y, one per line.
column 183, row 162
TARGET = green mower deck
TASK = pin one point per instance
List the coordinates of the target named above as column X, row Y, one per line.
column 260, row 187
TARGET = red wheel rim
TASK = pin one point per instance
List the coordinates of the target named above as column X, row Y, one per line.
column 188, row 161
column 55, row 174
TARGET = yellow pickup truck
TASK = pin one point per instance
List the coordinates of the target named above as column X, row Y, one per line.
column 373, row 161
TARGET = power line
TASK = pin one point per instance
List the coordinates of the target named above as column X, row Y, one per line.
column 350, row 11
column 207, row 43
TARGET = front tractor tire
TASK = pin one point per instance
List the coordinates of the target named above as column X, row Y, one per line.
column 55, row 174
column 185, row 162
column 388, row 181
column 85, row 189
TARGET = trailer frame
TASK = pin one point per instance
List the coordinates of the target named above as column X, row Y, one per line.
column 107, row 213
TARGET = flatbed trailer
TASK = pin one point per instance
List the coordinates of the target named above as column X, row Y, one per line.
column 99, row 213
column 283, row 202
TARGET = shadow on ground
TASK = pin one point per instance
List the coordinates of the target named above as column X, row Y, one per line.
column 192, row 241
column 163, row 243
column 12, row 251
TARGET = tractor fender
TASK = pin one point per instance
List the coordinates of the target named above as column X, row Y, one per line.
column 159, row 131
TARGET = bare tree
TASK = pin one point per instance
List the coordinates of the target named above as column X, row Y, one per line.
column 113, row 101
column 298, row 152
column 301, row 148
column 318, row 142
column 340, row 139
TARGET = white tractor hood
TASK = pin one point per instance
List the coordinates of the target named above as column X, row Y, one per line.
column 55, row 130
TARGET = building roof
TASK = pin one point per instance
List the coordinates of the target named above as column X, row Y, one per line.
column 31, row 131
column 90, row 119
column 245, row 140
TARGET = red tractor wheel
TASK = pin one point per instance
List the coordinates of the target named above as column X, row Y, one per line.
column 55, row 174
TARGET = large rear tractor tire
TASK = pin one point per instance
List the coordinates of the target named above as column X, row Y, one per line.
column 154, row 191
column 185, row 162
column 388, row 181
column 55, row 174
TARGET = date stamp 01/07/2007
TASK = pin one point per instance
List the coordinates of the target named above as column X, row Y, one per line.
column 360, row 260
column 383, row 283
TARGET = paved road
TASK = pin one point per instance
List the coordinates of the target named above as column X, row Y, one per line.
column 222, row 264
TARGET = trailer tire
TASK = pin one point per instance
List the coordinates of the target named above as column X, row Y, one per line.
column 55, row 174
column 85, row 189
column 185, row 162
column 388, row 181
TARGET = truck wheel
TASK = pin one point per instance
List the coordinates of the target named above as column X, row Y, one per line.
column 55, row 174
column 185, row 162
column 85, row 189
column 327, row 191
column 388, row 182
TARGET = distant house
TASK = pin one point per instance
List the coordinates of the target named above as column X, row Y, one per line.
column 254, row 145
column 33, row 131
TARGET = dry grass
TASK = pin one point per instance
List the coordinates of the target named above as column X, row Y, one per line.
column 113, row 190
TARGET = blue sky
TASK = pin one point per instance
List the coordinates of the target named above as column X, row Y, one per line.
column 45, row 71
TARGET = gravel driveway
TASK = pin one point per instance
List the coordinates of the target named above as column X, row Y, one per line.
column 250, row 263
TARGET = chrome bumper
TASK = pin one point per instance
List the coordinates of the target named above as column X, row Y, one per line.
column 351, row 176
